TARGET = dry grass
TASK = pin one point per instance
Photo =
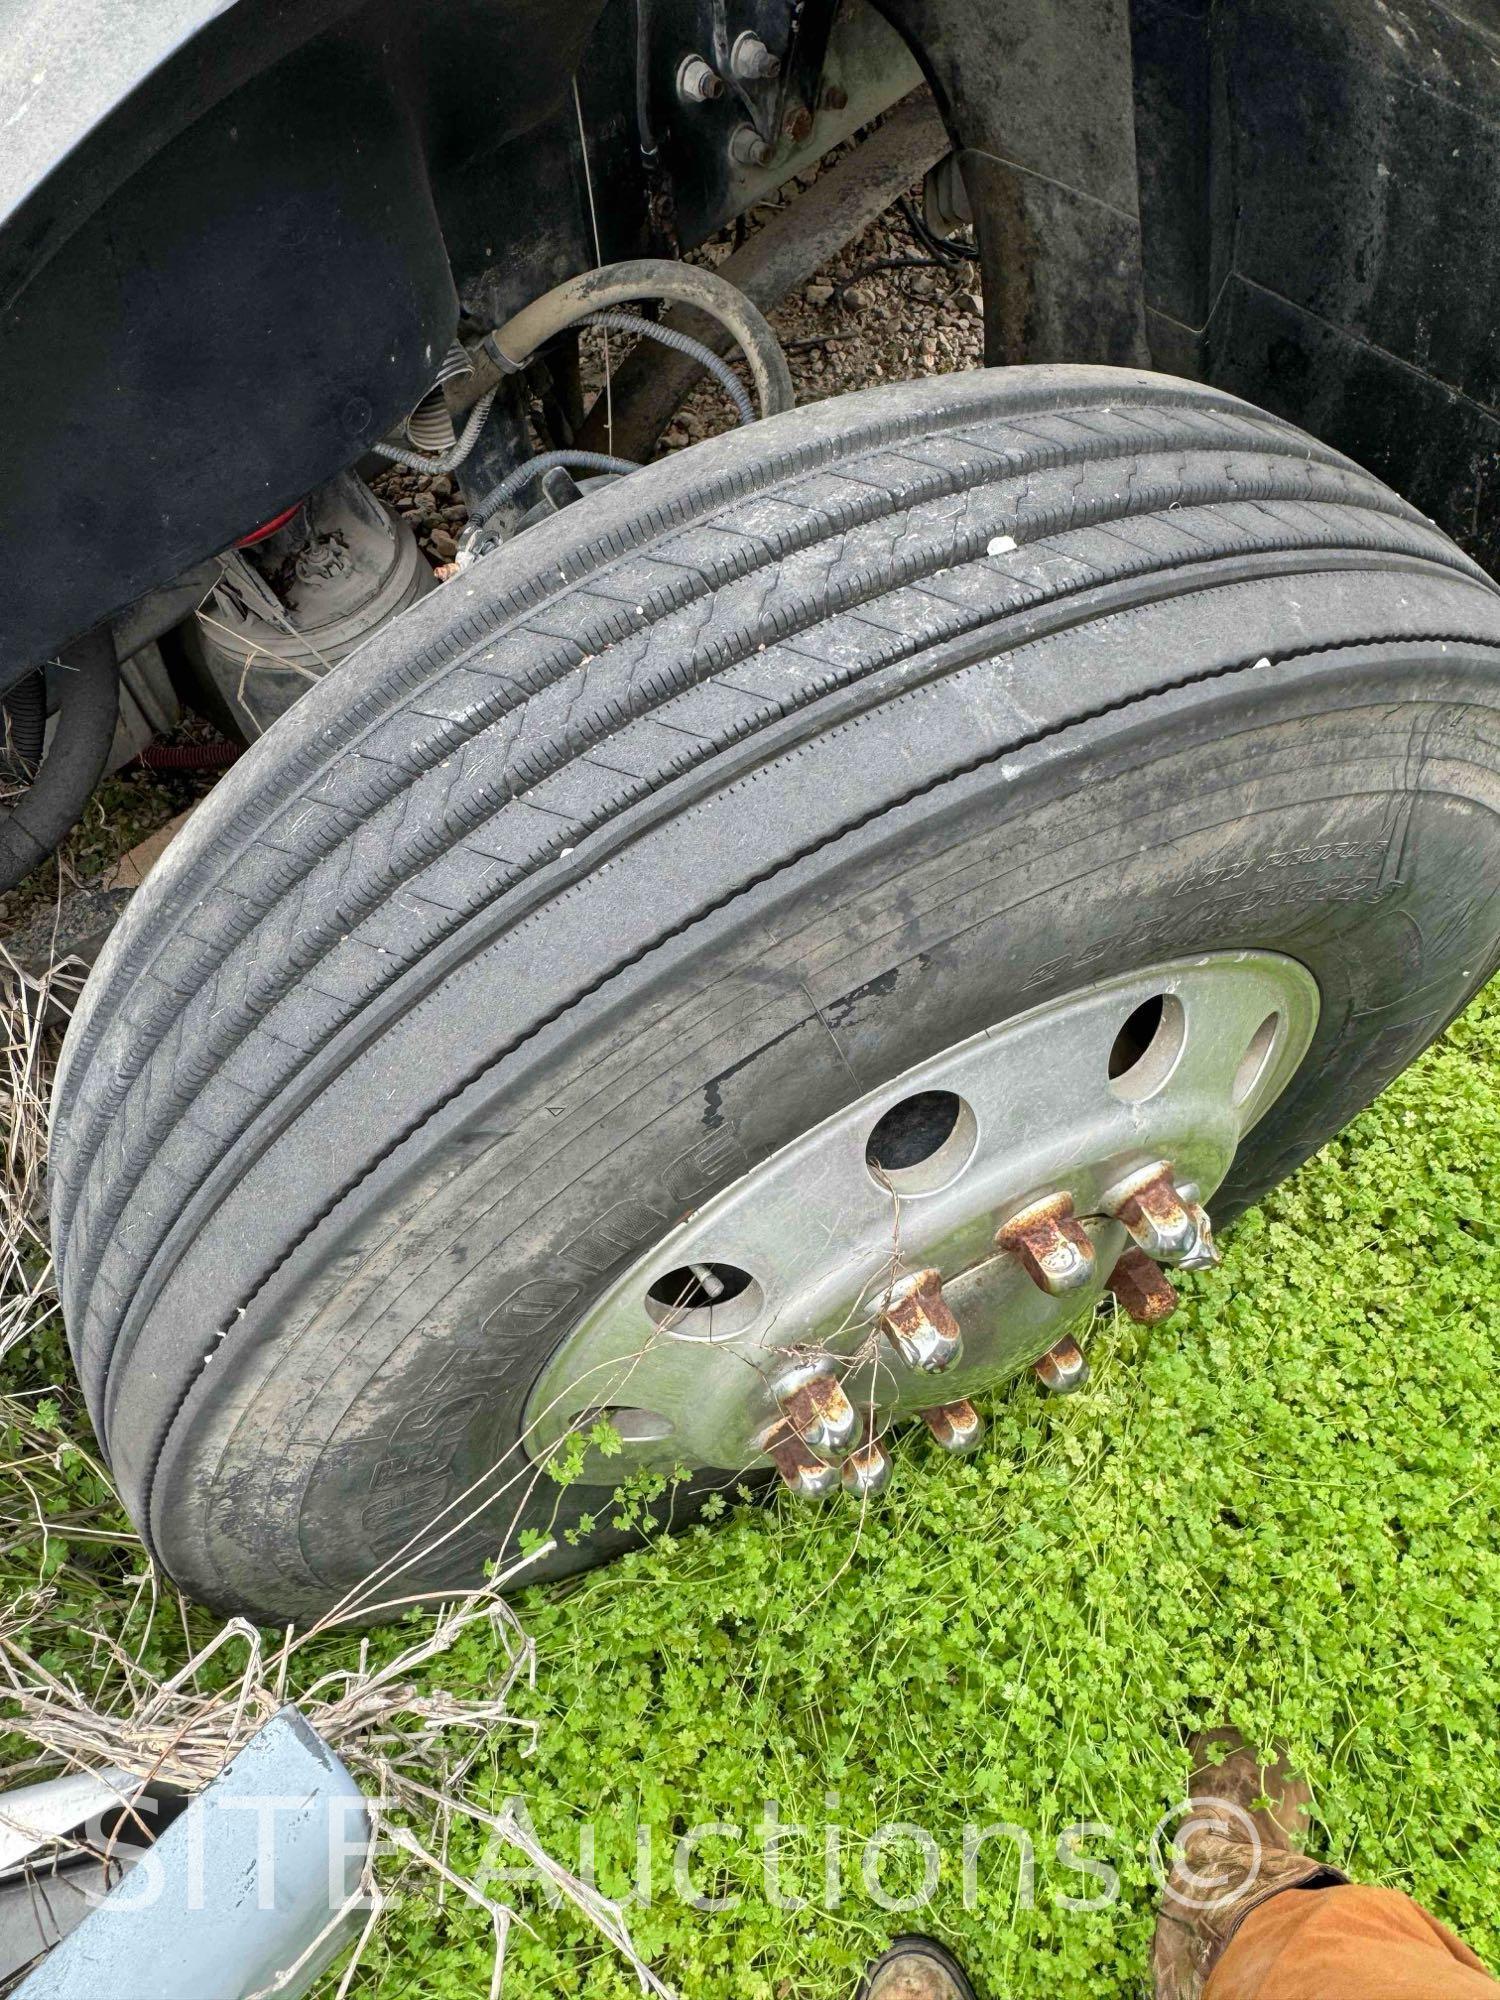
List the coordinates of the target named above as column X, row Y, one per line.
column 30, row 1036
column 149, row 1687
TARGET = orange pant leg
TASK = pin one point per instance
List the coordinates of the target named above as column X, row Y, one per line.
column 1346, row 1943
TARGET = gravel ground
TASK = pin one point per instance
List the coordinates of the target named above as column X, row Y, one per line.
column 429, row 502
column 852, row 325
column 849, row 327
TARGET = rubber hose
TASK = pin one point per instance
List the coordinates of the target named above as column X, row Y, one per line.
column 632, row 283
column 648, row 388
column 25, row 732
column 51, row 806
column 516, row 478
column 453, row 457
column 683, row 343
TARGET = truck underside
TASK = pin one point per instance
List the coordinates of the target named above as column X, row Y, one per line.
column 239, row 241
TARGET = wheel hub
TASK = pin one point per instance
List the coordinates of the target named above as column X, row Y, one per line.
column 938, row 1236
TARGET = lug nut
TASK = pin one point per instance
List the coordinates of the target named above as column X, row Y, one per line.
column 748, row 149
column 1153, row 1212
column 797, row 124
column 956, row 1426
column 751, row 61
column 1051, row 1245
column 919, row 1324
column 835, row 97
column 808, row 1477
column 698, row 82
column 1063, row 1368
column 867, row 1469
column 1168, row 1228
column 820, row 1413
column 1144, row 1292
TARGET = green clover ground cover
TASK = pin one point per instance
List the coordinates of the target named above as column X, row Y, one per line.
column 1279, row 1511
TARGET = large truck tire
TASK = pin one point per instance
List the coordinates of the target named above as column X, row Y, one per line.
column 680, row 867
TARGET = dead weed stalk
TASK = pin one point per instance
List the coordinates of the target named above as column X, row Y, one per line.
column 410, row 1742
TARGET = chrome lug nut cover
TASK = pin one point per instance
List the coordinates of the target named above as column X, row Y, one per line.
column 1051, row 1244
column 957, row 1427
column 919, row 1323
column 819, row 1412
column 1063, row 1368
column 1167, row 1227
column 867, row 1470
column 808, row 1477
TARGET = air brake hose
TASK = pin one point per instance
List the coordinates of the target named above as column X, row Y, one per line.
column 507, row 350
column 683, row 343
column 51, row 806
column 521, row 475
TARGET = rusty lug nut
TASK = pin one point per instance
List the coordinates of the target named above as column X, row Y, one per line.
column 956, row 1426
column 751, row 61
column 919, row 1323
column 797, row 124
column 821, row 1415
column 698, row 82
column 1063, row 1368
column 748, row 149
column 835, row 97
column 1051, row 1244
column 1160, row 1222
column 867, row 1469
column 1144, row 1292
column 808, row 1477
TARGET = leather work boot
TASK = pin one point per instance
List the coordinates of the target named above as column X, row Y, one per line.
column 1232, row 1854
column 915, row 1968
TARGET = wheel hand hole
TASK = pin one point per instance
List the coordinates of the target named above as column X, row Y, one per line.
column 1257, row 1055
column 631, row 1426
column 922, row 1142
column 699, row 1285
column 704, row 1301
column 1145, row 1050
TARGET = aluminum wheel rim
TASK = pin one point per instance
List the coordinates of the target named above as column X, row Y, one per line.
column 832, row 1237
